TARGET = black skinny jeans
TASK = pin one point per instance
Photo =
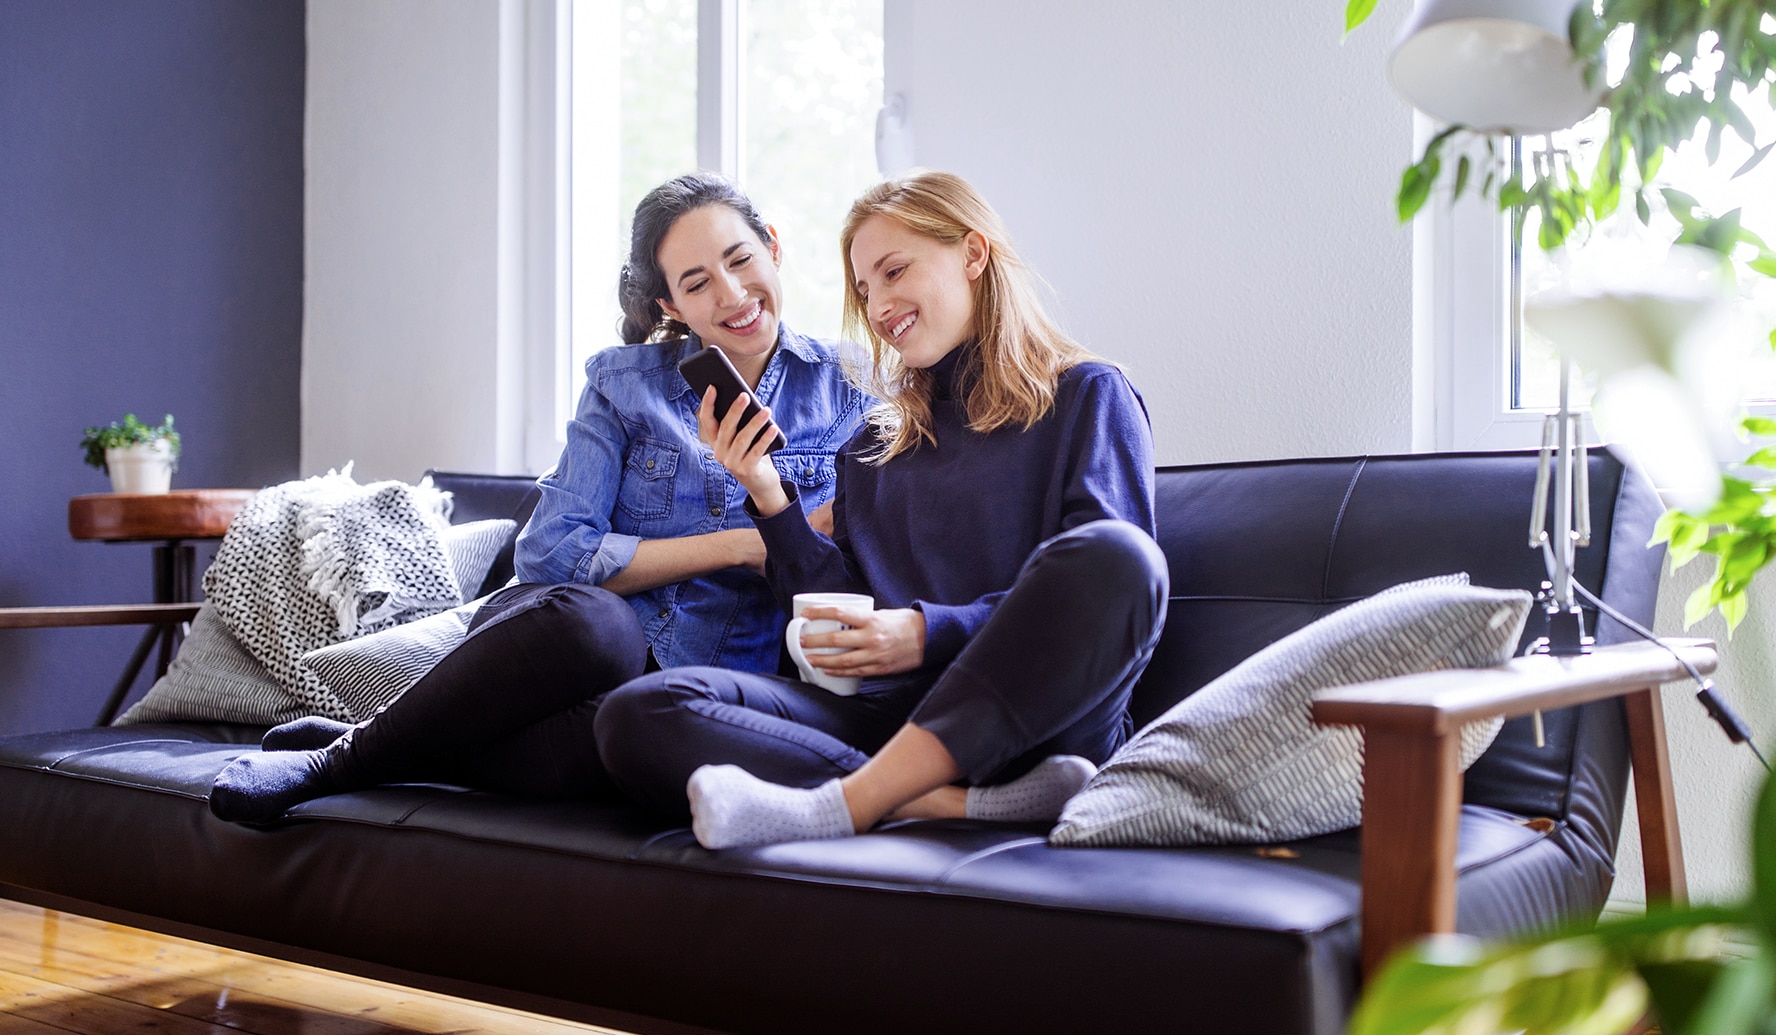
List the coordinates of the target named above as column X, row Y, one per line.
column 510, row 709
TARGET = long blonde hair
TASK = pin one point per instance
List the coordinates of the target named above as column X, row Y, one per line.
column 1010, row 377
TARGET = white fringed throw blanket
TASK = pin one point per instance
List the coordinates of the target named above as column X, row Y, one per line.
column 311, row 563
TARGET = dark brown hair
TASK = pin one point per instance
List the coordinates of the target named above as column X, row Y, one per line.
column 642, row 283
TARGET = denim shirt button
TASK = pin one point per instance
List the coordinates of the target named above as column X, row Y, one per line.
column 715, row 512
column 664, row 614
column 807, row 472
column 650, row 465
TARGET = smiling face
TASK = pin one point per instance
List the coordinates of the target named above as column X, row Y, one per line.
column 724, row 284
column 918, row 292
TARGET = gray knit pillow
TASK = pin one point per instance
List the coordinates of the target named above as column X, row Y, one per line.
column 214, row 679
column 1241, row 762
column 370, row 671
column 472, row 548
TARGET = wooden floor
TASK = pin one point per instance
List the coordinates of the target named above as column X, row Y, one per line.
column 66, row 973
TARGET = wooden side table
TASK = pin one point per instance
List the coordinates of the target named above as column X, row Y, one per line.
column 171, row 521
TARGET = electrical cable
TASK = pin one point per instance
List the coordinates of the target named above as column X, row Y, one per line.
column 1730, row 722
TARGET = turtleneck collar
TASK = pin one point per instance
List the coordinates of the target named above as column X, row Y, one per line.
column 945, row 373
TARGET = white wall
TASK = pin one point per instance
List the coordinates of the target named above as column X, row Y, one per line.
column 1208, row 188
column 400, row 369
column 1716, row 781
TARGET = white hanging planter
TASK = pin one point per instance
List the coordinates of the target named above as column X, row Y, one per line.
column 145, row 469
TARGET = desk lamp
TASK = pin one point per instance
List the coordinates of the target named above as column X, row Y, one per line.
column 1506, row 66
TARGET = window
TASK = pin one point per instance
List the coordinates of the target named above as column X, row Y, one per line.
column 1492, row 381
column 781, row 95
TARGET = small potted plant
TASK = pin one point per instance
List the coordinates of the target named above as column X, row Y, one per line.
column 140, row 458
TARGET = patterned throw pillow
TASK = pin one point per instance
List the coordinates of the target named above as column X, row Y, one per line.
column 472, row 548
column 370, row 671
column 214, row 679
column 1242, row 762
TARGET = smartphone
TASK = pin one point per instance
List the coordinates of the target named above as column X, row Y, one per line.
column 709, row 366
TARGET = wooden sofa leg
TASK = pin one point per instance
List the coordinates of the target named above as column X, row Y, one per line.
column 1411, row 814
column 1661, row 848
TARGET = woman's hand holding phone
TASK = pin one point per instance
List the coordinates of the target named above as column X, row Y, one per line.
column 744, row 450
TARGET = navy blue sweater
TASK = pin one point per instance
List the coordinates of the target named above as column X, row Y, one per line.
column 946, row 528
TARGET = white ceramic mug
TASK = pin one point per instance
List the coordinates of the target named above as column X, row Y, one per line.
column 844, row 686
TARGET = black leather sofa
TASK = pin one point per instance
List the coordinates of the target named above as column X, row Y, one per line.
column 599, row 912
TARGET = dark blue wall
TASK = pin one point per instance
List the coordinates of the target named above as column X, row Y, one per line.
column 150, row 261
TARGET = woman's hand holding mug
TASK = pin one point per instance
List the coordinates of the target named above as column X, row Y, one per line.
column 835, row 641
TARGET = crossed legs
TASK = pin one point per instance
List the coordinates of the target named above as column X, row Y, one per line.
column 1038, row 697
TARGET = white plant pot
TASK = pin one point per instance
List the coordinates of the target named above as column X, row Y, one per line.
column 145, row 469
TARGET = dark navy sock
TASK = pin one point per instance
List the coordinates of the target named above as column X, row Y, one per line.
column 309, row 733
column 259, row 788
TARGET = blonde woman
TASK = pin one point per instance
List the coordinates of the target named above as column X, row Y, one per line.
column 999, row 508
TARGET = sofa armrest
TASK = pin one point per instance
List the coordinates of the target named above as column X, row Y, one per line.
column 124, row 614
column 1413, row 785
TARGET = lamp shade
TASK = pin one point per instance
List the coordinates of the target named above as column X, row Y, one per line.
column 1500, row 65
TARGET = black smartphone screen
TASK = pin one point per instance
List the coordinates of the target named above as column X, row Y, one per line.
column 708, row 366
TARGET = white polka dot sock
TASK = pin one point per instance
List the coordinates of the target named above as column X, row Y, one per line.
column 731, row 808
column 1036, row 795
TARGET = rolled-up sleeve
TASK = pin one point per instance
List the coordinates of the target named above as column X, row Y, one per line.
column 569, row 537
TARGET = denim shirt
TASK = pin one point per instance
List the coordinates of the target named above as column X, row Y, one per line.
column 633, row 469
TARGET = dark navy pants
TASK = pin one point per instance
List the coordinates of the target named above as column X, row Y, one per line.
column 1049, row 673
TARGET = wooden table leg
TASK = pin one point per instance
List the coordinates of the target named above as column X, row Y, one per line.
column 1411, row 814
column 1661, row 849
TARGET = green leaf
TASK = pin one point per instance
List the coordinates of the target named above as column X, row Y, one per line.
column 1462, row 169
column 1698, row 604
column 1716, row 235
column 1765, row 263
column 1759, row 425
column 1736, row 118
column 1689, row 543
column 1567, row 984
column 1748, row 555
column 1415, row 186
column 1679, row 988
column 1756, row 157
column 1641, row 208
column 1765, row 457
column 1738, row 999
column 1739, row 502
column 1356, row 12
column 1668, row 525
column 1733, row 607
column 1682, row 206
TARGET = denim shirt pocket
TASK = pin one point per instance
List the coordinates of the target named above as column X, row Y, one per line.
column 810, row 470
column 646, row 491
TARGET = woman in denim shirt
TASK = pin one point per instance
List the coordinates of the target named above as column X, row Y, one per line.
column 638, row 554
